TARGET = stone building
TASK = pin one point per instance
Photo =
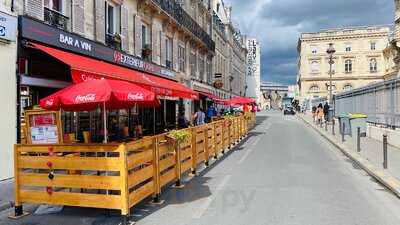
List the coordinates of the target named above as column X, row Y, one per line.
column 358, row 61
column 253, row 77
column 230, row 55
column 8, row 80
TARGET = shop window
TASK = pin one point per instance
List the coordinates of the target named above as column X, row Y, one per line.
column 168, row 52
column 373, row 66
column 182, row 58
column 348, row 66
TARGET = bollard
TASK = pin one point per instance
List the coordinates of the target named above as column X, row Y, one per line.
column 333, row 127
column 326, row 125
column 343, row 129
column 385, row 156
column 358, row 139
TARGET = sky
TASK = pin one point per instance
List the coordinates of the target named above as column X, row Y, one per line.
column 277, row 25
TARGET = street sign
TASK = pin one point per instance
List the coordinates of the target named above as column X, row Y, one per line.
column 8, row 27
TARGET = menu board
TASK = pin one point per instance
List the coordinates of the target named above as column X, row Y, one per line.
column 43, row 127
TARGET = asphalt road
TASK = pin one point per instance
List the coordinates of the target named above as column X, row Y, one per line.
column 284, row 174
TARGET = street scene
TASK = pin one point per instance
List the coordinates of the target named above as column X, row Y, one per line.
column 194, row 112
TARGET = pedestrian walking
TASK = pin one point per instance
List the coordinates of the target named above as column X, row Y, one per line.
column 198, row 117
column 326, row 111
column 211, row 112
column 320, row 113
column 314, row 113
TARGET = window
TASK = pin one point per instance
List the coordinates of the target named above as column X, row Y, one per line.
column 347, row 87
column 168, row 52
column 193, row 64
column 112, row 18
column 373, row 67
column 181, row 58
column 208, row 71
column 373, row 46
column 314, row 88
column 348, row 47
column 314, row 49
column 348, row 66
column 55, row 5
column 145, row 36
column 201, row 68
column 314, row 67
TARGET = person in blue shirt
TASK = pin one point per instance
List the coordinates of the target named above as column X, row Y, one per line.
column 211, row 112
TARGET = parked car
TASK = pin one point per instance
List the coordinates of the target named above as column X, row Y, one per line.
column 289, row 110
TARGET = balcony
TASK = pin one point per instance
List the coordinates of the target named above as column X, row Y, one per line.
column 174, row 10
column 113, row 41
column 55, row 18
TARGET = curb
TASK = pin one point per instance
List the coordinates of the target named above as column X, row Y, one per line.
column 390, row 182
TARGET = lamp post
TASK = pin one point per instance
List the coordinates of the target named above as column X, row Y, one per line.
column 330, row 51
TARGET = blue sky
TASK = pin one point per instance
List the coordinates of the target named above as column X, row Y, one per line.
column 277, row 24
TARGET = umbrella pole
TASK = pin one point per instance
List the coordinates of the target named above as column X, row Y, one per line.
column 105, row 122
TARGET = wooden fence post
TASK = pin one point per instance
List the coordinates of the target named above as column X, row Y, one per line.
column 178, row 183
column 18, row 209
column 206, row 148
column 156, row 166
column 194, row 150
column 125, row 210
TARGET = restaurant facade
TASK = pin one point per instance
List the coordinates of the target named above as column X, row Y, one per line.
column 161, row 45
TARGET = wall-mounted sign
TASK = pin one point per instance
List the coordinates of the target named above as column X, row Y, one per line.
column 8, row 27
column 40, row 32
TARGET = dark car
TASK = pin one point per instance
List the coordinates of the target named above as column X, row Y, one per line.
column 289, row 110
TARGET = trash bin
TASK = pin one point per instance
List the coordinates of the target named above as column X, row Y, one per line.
column 358, row 120
column 344, row 120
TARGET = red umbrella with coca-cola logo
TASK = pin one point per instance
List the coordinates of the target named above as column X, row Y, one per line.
column 108, row 94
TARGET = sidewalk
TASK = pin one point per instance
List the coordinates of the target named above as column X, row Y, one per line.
column 371, row 156
column 6, row 193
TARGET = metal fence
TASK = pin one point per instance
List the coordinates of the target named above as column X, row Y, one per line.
column 380, row 102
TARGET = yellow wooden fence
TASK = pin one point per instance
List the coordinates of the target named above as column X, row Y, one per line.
column 113, row 176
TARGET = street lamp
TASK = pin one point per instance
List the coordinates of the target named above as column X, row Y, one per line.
column 330, row 51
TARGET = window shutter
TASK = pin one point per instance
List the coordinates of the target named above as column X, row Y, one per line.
column 155, row 43
column 100, row 20
column 163, row 48
column 124, row 28
column 78, row 16
column 34, row 8
column 138, row 36
column 175, row 49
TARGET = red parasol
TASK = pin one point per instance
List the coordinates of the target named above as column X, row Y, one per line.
column 109, row 94
column 89, row 95
column 240, row 101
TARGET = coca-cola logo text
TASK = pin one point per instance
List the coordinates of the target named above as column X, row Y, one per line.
column 135, row 96
column 85, row 98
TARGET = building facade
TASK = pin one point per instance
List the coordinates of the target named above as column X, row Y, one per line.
column 358, row 61
column 168, row 40
column 8, row 85
column 253, row 78
column 230, row 54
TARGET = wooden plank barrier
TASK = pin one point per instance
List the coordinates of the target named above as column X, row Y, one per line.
column 113, row 176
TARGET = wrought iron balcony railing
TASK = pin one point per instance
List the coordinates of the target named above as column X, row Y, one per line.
column 184, row 19
column 55, row 19
column 113, row 41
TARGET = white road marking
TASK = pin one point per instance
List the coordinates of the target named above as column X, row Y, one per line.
column 248, row 151
column 207, row 202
